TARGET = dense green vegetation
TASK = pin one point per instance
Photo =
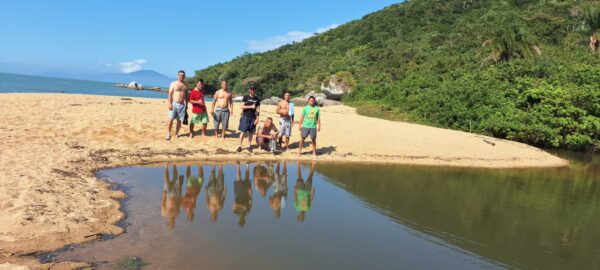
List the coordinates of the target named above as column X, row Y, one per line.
column 516, row 69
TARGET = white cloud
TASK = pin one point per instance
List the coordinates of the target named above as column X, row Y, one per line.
column 327, row 28
column 275, row 42
column 132, row 66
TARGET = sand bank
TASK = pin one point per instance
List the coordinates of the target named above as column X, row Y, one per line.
column 52, row 144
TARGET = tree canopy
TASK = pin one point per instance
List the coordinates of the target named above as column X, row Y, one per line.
column 515, row 69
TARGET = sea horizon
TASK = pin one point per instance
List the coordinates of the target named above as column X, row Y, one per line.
column 26, row 83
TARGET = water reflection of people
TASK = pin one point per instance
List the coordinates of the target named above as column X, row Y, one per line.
column 243, row 195
column 280, row 190
column 304, row 193
column 171, row 196
column 263, row 178
column 215, row 192
column 192, row 190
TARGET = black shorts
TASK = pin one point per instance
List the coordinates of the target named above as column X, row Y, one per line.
column 309, row 131
column 247, row 124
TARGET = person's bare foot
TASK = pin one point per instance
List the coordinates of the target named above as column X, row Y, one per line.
column 191, row 135
column 168, row 138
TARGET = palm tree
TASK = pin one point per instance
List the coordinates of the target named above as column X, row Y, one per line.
column 591, row 20
column 511, row 40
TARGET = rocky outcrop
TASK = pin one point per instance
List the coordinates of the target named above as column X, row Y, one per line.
column 299, row 101
column 135, row 86
column 338, row 85
column 237, row 99
column 271, row 101
column 320, row 97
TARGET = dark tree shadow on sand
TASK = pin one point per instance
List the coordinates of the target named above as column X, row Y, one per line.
column 295, row 145
column 326, row 150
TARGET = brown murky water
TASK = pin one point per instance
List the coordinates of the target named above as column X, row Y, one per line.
column 335, row 216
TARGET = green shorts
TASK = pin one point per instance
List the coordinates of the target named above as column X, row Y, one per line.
column 200, row 118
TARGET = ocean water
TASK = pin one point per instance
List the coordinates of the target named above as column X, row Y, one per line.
column 13, row 83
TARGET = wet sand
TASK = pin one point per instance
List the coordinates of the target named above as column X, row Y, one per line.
column 53, row 143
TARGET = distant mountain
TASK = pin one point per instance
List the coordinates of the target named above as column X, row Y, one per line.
column 145, row 77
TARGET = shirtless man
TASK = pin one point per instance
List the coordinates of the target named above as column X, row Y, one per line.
column 267, row 136
column 177, row 99
column 285, row 121
column 224, row 106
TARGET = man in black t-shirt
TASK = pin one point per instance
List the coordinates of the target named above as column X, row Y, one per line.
column 249, row 120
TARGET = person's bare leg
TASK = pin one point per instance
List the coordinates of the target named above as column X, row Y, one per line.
column 314, row 146
column 301, row 145
column 242, row 139
column 223, row 134
column 203, row 130
column 287, row 142
column 191, row 130
column 177, row 127
column 250, row 140
column 170, row 126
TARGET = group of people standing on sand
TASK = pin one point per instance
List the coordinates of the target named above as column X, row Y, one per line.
column 265, row 176
column 268, row 136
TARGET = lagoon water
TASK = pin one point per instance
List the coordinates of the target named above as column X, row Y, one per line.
column 348, row 216
column 13, row 83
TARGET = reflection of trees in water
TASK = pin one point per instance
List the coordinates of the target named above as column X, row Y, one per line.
column 540, row 219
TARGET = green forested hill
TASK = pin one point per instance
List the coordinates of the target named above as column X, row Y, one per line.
column 516, row 69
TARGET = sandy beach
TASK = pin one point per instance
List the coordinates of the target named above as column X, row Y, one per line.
column 52, row 144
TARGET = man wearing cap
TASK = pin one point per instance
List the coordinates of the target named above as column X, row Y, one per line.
column 309, row 124
column 250, row 112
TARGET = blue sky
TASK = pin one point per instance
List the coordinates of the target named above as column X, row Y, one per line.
column 97, row 36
